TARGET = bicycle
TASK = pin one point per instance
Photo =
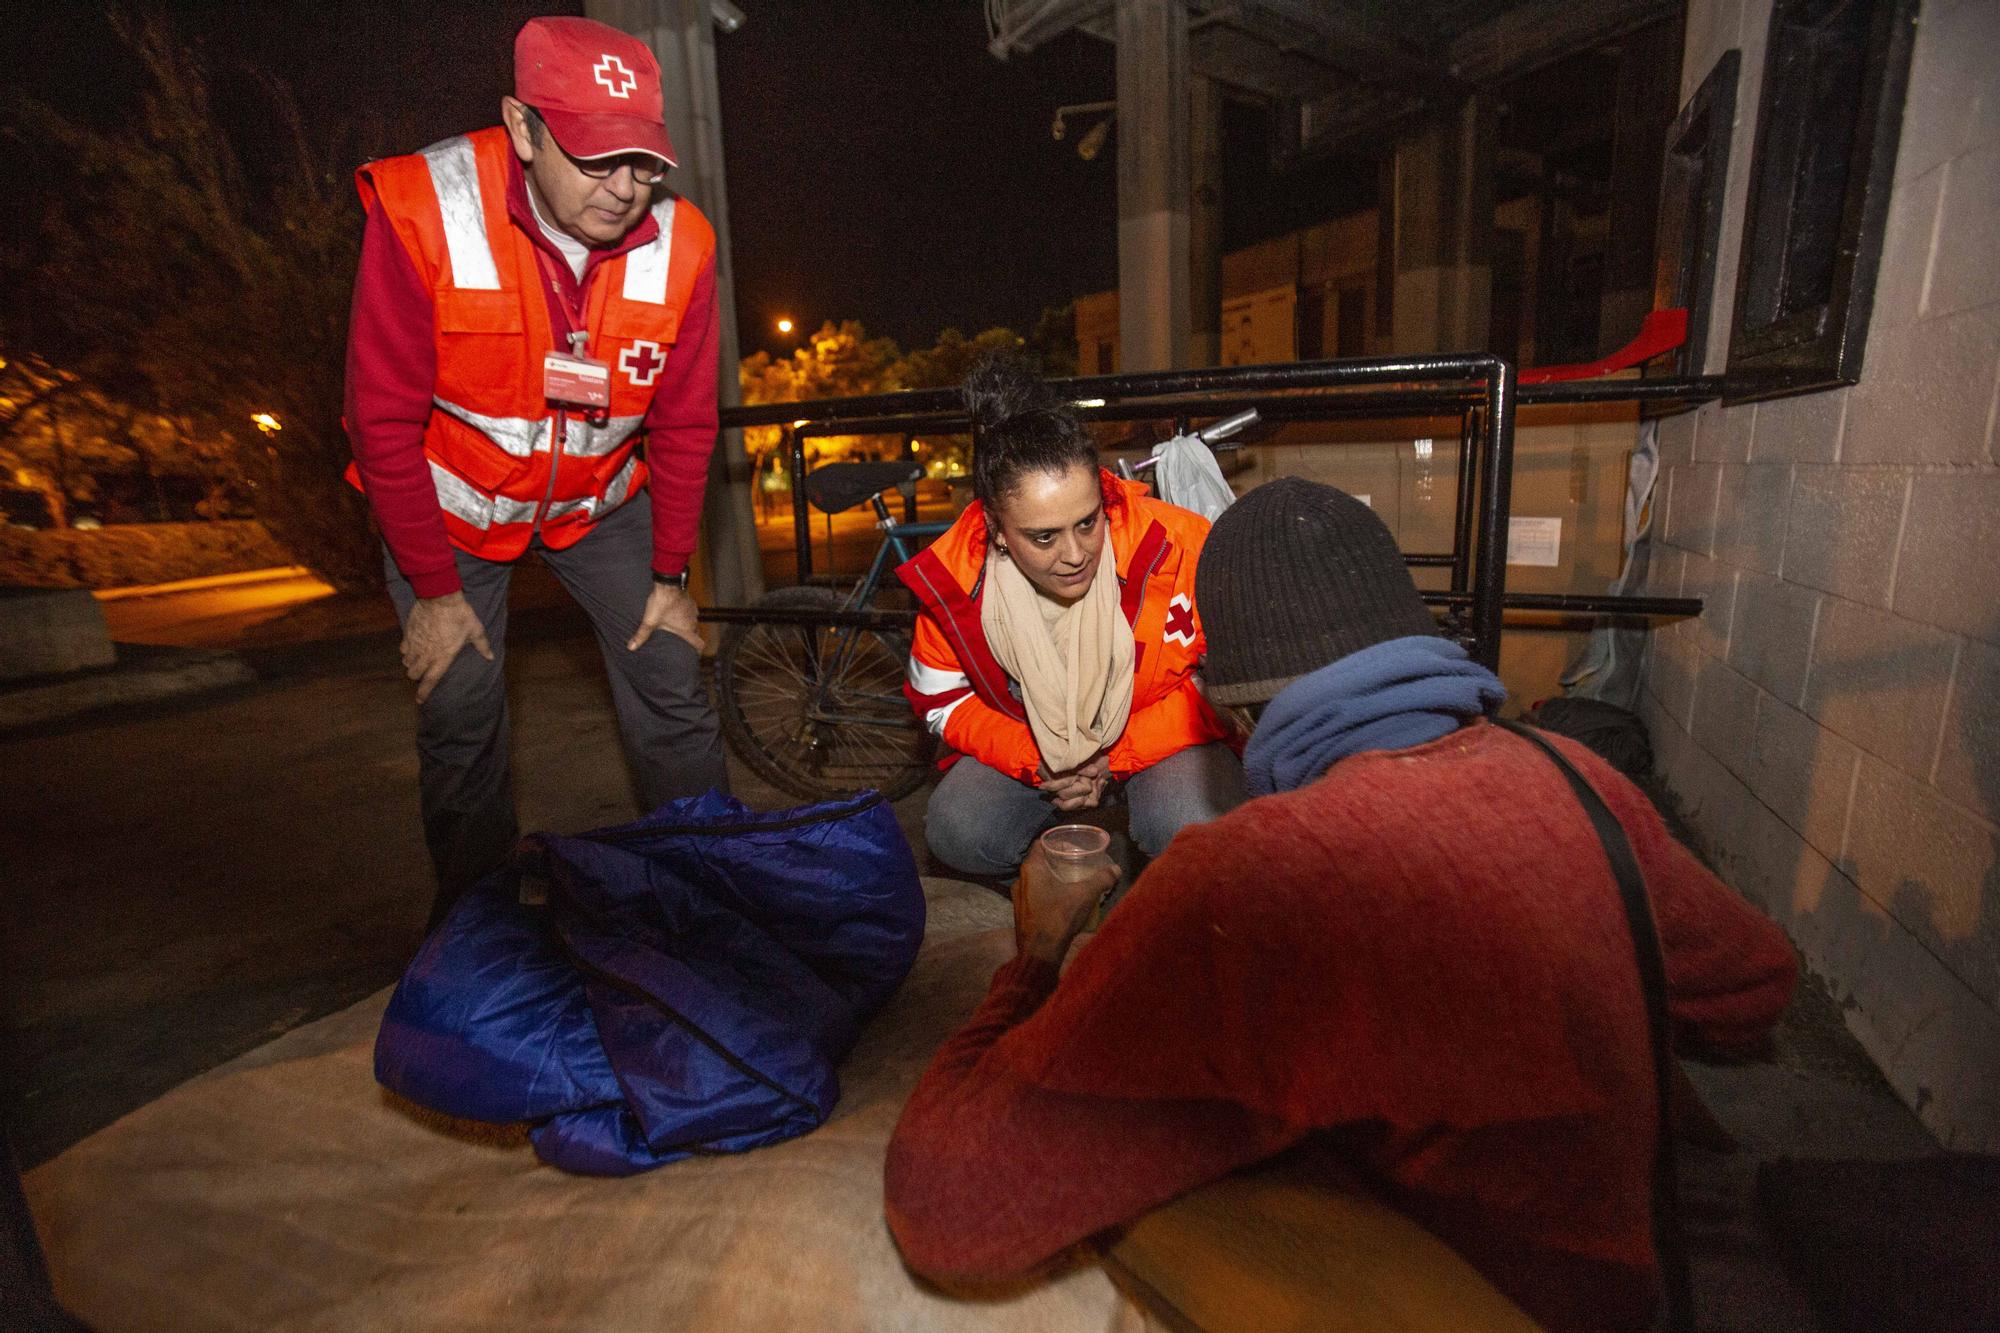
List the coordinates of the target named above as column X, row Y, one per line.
column 810, row 691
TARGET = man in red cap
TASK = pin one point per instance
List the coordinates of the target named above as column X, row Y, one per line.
column 532, row 346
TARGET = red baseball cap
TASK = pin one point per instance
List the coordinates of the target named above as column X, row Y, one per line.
column 596, row 87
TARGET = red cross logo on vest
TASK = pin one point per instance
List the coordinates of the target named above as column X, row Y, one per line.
column 1180, row 620
column 616, row 78
column 642, row 362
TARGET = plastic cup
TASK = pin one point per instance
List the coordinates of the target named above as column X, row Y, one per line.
column 1076, row 851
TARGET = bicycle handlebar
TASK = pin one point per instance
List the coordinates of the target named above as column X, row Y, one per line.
column 1229, row 426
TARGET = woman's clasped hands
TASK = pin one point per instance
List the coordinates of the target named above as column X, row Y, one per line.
column 1079, row 788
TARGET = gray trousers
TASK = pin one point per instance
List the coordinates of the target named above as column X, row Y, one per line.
column 664, row 716
column 981, row 821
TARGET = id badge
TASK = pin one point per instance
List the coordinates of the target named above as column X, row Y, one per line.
column 578, row 381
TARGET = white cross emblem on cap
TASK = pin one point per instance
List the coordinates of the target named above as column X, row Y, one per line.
column 617, row 80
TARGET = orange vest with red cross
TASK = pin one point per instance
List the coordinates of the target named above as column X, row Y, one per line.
column 968, row 701
column 507, row 462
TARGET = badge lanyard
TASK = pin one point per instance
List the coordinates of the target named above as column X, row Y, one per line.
column 575, row 378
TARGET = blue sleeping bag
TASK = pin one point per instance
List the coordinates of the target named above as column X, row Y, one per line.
column 687, row 988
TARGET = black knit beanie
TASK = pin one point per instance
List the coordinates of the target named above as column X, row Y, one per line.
column 1295, row 576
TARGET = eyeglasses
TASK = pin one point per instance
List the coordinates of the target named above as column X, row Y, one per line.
column 645, row 170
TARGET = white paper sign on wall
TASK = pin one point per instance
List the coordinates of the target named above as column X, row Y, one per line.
column 1534, row 541
column 1368, row 500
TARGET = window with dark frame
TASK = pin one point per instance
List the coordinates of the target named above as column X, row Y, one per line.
column 1692, row 183
column 1831, row 108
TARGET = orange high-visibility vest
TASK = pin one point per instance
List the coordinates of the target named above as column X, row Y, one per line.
column 506, row 461
column 966, row 699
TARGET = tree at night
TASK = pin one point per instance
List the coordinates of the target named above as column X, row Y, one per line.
column 81, row 454
column 841, row 360
column 172, row 276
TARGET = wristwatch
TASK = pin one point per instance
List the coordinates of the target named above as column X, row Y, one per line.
column 679, row 580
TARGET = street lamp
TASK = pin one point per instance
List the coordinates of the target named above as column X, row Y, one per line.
column 265, row 422
column 784, row 325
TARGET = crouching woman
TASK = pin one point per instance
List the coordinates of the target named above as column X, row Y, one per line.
column 1056, row 643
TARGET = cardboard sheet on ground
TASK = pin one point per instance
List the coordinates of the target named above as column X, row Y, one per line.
column 287, row 1190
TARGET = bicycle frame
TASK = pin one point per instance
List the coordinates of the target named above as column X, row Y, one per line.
column 902, row 540
column 896, row 540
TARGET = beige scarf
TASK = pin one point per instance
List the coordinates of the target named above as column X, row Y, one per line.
column 1074, row 663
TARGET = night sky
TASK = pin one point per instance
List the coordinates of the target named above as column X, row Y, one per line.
column 882, row 165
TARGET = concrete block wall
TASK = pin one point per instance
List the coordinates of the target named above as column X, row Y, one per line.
column 1832, row 722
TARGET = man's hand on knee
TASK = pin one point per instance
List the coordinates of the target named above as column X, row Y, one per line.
column 671, row 609
column 437, row 628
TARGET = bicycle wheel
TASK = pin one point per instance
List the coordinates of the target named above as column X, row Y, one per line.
column 818, row 710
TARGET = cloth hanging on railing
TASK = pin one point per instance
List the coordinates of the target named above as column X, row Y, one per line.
column 1608, row 667
column 1187, row 475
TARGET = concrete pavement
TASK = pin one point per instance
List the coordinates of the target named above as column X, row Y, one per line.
column 171, row 640
column 187, row 882
column 208, row 612
column 190, row 880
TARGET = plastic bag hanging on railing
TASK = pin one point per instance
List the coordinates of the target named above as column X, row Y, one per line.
column 1186, row 474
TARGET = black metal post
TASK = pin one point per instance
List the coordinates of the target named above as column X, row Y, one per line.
column 1461, row 517
column 1496, row 482
column 795, row 444
column 1541, row 603
column 1578, row 603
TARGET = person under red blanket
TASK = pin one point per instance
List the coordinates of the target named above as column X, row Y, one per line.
column 1408, row 948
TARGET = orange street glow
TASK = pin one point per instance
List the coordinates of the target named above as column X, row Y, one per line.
column 266, row 422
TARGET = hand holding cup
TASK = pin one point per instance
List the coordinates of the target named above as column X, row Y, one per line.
column 1067, row 872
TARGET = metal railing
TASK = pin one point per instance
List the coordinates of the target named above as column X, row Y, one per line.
column 1479, row 389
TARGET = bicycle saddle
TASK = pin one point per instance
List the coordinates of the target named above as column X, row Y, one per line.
column 838, row 486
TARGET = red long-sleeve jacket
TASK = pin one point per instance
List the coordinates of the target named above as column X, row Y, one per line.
column 1419, row 959
column 391, row 368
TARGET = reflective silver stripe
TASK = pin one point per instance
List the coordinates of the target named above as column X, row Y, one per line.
column 927, row 679
column 513, row 511
column 519, row 436
column 597, row 507
column 646, row 267
column 584, row 440
column 461, row 499
column 935, row 720
column 522, row 436
column 620, row 487
column 455, row 178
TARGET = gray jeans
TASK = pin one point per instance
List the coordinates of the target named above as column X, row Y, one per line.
column 981, row 821
column 664, row 716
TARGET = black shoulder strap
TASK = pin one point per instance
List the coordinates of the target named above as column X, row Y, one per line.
column 1674, row 1275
